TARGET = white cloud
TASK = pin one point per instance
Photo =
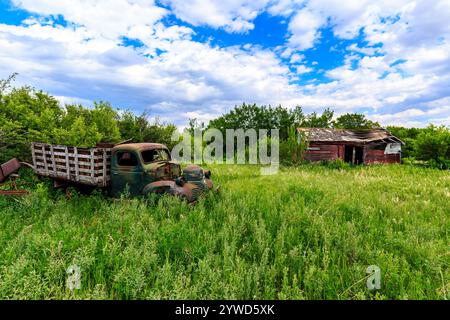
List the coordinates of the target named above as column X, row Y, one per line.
column 303, row 69
column 233, row 16
column 370, row 51
column 304, row 29
column 296, row 58
column 187, row 77
column 107, row 18
column 177, row 78
column 284, row 7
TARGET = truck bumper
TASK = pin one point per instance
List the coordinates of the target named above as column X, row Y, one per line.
column 189, row 191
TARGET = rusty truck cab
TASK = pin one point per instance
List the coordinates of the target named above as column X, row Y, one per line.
column 135, row 165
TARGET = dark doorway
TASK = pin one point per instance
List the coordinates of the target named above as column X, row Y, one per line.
column 353, row 154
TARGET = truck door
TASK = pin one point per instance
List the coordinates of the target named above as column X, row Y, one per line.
column 126, row 170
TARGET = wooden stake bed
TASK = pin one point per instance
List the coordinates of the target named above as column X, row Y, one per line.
column 91, row 166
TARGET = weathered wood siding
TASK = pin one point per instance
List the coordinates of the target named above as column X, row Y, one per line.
column 330, row 152
column 82, row 165
column 323, row 152
column 377, row 156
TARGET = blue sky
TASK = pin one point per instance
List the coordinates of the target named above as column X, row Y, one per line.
column 197, row 59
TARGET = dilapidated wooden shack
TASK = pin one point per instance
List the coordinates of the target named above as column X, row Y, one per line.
column 353, row 146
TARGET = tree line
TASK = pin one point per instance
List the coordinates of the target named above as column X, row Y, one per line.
column 248, row 116
column 28, row 115
column 428, row 146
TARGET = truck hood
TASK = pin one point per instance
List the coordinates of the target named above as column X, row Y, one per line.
column 163, row 170
column 159, row 164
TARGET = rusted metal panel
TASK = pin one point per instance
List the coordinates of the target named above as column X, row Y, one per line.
column 393, row 148
column 190, row 186
column 362, row 136
column 13, row 192
column 9, row 168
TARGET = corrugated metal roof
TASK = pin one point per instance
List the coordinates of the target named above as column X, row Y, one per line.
column 346, row 135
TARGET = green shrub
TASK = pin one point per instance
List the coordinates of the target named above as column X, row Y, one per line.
column 439, row 163
column 433, row 143
column 28, row 115
column 336, row 164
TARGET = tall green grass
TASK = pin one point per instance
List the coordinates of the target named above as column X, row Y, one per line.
column 306, row 233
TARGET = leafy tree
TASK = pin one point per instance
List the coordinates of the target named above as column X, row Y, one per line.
column 81, row 134
column 140, row 129
column 408, row 136
column 160, row 132
column 248, row 116
column 433, row 143
column 354, row 121
column 291, row 151
column 132, row 126
column 325, row 120
column 105, row 119
column 28, row 115
column 25, row 115
column 193, row 125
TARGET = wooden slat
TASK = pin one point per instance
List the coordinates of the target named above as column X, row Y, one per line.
column 40, row 159
column 63, row 154
column 67, row 163
column 45, row 160
column 53, row 158
column 33, row 154
column 77, row 167
column 85, row 178
column 88, row 179
column 72, row 171
column 105, row 160
column 72, row 162
column 92, row 163
column 63, row 168
column 88, row 166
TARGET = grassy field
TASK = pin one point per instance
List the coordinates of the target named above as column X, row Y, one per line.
column 305, row 233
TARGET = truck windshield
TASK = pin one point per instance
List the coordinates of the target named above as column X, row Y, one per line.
column 155, row 155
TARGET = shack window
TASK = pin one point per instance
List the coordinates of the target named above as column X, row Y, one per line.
column 378, row 146
column 155, row 155
column 126, row 159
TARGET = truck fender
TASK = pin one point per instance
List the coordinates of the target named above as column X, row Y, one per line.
column 170, row 187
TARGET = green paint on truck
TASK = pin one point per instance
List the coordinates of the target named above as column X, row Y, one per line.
column 135, row 169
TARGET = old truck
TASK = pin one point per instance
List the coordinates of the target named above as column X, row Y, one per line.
column 132, row 168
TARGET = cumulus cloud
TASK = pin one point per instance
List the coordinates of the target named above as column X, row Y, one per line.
column 186, row 78
column 400, row 74
column 107, row 18
column 233, row 16
column 304, row 29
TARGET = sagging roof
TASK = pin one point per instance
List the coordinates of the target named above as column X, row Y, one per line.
column 361, row 136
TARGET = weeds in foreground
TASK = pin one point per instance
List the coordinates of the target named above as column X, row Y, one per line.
column 306, row 233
